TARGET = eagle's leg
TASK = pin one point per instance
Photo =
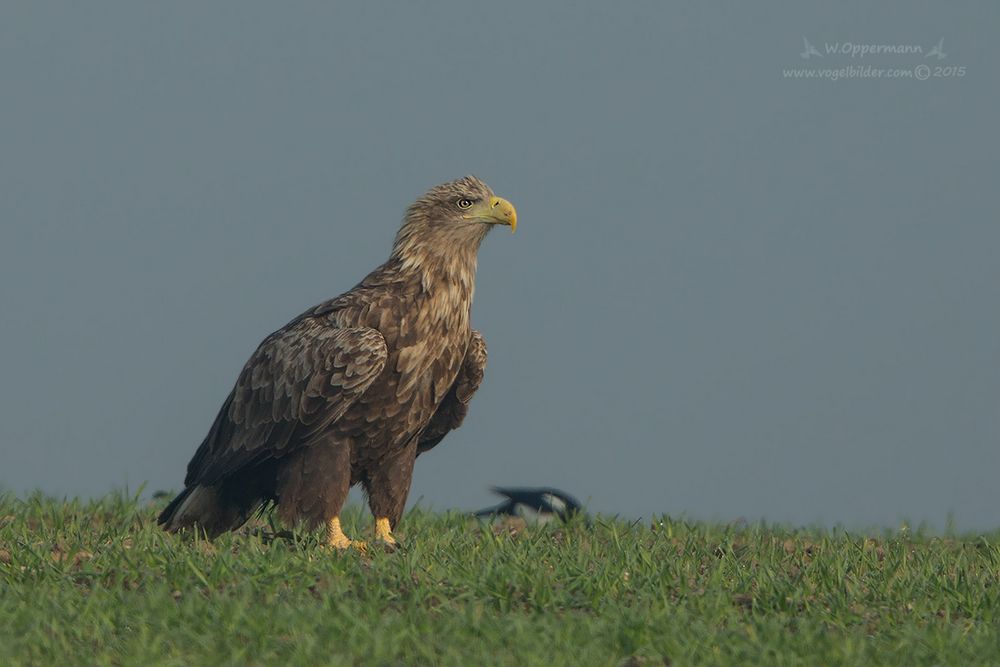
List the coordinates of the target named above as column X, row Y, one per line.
column 387, row 488
column 383, row 532
column 312, row 487
column 336, row 538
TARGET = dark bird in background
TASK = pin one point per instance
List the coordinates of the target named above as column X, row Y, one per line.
column 352, row 390
column 541, row 504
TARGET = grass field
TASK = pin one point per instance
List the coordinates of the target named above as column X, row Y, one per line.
column 98, row 583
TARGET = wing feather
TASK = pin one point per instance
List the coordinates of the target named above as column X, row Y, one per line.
column 300, row 381
column 452, row 410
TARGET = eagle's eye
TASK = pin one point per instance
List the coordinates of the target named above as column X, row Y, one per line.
column 464, row 203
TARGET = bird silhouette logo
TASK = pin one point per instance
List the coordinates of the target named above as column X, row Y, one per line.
column 810, row 50
column 938, row 50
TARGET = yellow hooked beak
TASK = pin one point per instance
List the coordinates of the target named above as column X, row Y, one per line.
column 496, row 211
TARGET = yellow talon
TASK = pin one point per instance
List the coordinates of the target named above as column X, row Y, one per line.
column 336, row 538
column 383, row 532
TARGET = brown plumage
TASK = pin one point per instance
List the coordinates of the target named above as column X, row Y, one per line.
column 351, row 391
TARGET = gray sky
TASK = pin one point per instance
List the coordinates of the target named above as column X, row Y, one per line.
column 731, row 293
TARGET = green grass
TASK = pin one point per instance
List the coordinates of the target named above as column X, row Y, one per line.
column 98, row 583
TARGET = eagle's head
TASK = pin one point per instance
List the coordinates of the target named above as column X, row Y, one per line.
column 461, row 204
column 453, row 216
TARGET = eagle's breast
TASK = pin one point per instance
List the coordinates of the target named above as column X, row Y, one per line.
column 426, row 331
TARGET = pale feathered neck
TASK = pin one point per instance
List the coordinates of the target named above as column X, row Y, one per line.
column 447, row 251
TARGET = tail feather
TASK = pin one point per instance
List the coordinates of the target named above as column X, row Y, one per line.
column 167, row 515
column 505, row 508
column 204, row 507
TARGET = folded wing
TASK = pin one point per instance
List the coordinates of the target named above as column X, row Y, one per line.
column 300, row 381
column 451, row 413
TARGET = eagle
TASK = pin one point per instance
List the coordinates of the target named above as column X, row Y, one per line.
column 352, row 390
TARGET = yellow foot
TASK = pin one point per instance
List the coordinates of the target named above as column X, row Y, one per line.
column 383, row 533
column 336, row 539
